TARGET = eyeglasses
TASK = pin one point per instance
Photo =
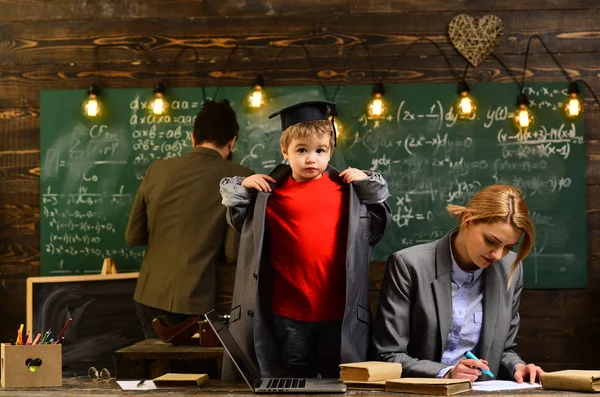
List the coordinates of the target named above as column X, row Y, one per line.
column 102, row 376
column 96, row 376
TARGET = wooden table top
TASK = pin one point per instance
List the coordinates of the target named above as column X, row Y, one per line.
column 155, row 349
column 219, row 388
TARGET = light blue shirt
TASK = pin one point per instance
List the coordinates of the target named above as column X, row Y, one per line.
column 467, row 314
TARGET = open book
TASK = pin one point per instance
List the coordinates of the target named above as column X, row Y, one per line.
column 435, row 386
column 571, row 379
column 369, row 371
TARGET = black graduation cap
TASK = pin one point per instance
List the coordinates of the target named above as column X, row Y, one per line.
column 307, row 111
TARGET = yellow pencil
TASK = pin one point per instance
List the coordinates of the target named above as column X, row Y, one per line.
column 20, row 335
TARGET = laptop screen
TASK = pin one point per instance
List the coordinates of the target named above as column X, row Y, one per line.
column 247, row 369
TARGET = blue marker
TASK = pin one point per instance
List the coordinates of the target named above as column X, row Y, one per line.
column 474, row 357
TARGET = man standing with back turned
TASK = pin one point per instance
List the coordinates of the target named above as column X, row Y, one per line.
column 178, row 213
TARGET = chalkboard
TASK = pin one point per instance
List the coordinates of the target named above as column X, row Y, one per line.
column 103, row 312
column 91, row 170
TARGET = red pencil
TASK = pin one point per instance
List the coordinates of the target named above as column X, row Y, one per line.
column 62, row 333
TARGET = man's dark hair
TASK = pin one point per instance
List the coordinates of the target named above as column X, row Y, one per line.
column 215, row 123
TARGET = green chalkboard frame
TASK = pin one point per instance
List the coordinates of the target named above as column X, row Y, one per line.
column 90, row 173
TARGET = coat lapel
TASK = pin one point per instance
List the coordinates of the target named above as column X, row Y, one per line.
column 491, row 304
column 354, row 205
column 279, row 173
column 354, row 208
column 258, row 224
column 442, row 287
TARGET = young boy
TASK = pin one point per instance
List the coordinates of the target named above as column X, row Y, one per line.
column 301, row 297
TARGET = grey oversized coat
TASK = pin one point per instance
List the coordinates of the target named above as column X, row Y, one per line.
column 415, row 311
column 251, row 322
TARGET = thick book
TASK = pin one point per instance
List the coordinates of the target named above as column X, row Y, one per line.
column 170, row 379
column 571, row 379
column 434, row 386
column 369, row 371
column 376, row 385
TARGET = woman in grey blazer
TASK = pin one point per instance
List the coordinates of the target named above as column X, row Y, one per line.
column 460, row 293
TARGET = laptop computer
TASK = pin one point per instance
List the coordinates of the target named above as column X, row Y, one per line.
column 268, row 385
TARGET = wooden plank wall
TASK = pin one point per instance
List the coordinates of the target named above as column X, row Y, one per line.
column 49, row 45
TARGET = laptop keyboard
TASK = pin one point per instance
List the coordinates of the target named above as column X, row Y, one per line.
column 281, row 383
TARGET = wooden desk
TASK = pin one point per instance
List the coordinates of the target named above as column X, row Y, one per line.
column 219, row 388
column 151, row 358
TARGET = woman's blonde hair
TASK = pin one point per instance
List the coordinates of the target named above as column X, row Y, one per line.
column 308, row 129
column 500, row 204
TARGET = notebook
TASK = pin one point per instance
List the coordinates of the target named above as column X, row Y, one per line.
column 268, row 385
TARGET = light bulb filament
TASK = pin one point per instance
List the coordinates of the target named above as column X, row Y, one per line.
column 573, row 108
column 377, row 107
column 158, row 106
column 523, row 117
column 466, row 107
column 256, row 98
column 92, row 107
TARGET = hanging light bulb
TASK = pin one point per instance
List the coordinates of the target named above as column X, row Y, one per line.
column 337, row 125
column 338, row 128
column 257, row 98
column 523, row 115
column 92, row 106
column 465, row 107
column 377, row 108
column 573, row 107
column 158, row 104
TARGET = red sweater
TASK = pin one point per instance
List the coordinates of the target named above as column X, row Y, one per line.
column 308, row 224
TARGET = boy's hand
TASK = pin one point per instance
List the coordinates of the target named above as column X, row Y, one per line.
column 350, row 175
column 258, row 182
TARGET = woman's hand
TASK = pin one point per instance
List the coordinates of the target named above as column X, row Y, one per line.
column 529, row 372
column 259, row 182
column 350, row 175
column 467, row 369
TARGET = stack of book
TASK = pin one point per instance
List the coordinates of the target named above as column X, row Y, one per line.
column 376, row 375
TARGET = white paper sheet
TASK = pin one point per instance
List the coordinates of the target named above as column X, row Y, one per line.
column 498, row 385
column 132, row 385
